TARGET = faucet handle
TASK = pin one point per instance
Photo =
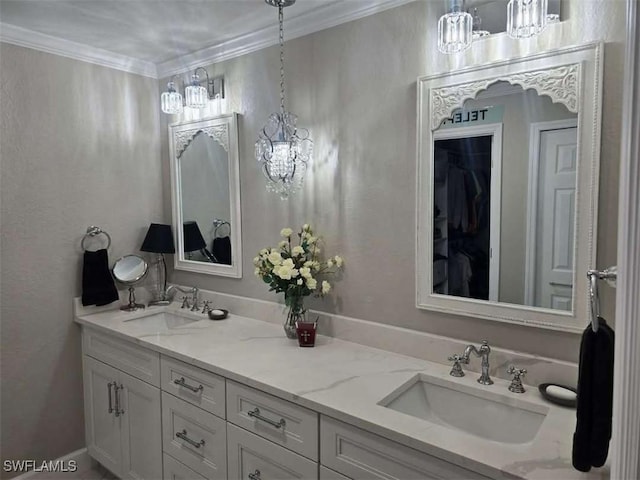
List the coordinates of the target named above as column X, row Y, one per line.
column 206, row 308
column 456, row 369
column 516, row 383
column 185, row 302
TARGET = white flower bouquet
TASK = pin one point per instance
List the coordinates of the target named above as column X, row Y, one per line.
column 295, row 270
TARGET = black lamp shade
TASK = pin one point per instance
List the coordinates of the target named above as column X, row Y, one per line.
column 193, row 239
column 159, row 239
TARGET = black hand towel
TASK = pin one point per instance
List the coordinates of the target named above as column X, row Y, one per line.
column 595, row 398
column 222, row 249
column 98, row 287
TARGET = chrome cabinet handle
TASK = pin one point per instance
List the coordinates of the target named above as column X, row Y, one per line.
column 255, row 413
column 118, row 410
column 183, row 436
column 255, row 475
column 109, row 385
column 182, row 382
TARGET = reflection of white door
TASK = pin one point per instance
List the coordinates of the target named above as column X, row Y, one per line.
column 554, row 219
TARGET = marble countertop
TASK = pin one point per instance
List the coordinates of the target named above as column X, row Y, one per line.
column 345, row 381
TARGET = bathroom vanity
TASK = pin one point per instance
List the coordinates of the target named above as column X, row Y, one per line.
column 170, row 394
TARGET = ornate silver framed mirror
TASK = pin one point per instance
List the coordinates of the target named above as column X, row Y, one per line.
column 508, row 166
column 205, row 195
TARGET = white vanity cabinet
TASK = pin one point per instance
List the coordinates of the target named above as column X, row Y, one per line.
column 122, row 421
column 152, row 416
column 359, row 454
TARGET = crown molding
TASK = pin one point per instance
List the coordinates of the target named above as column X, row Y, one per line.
column 58, row 46
column 319, row 19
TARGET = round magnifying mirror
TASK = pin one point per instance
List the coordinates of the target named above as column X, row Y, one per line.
column 129, row 270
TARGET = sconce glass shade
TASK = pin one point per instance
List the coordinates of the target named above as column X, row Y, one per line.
column 171, row 101
column 454, row 32
column 283, row 151
column 526, row 18
column 195, row 94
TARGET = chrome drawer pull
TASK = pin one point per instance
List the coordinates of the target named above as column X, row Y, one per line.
column 118, row 411
column 256, row 414
column 255, row 475
column 183, row 436
column 184, row 384
column 109, row 385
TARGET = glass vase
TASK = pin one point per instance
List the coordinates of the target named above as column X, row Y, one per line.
column 296, row 313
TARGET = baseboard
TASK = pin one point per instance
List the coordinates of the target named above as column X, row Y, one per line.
column 81, row 457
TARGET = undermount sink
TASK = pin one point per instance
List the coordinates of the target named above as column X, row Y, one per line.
column 162, row 322
column 472, row 409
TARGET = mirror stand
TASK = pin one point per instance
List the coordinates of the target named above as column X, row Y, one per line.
column 132, row 305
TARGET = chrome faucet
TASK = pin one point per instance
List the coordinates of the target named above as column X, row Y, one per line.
column 193, row 290
column 482, row 352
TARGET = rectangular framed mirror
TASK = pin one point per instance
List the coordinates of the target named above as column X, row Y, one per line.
column 508, row 166
column 205, row 195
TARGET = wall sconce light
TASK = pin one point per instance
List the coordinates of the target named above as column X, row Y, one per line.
column 454, row 29
column 171, row 100
column 283, row 150
column 526, row 18
column 195, row 96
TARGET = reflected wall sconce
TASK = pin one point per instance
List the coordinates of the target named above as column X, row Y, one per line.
column 196, row 95
column 283, row 150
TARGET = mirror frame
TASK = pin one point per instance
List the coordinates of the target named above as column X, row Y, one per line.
column 224, row 130
column 571, row 76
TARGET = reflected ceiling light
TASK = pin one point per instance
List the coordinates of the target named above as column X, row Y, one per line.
column 526, row 18
column 454, row 29
column 196, row 95
column 282, row 149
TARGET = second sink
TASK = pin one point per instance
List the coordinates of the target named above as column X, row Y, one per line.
column 474, row 410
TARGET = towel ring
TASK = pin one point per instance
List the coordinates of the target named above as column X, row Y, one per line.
column 610, row 275
column 93, row 231
column 217, row 223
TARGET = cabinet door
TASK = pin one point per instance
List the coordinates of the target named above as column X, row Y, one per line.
column 141, row 433
column 102, row 427
column 254, row 458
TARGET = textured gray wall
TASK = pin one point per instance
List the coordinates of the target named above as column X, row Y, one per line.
column 354, row 86
column 79, row 147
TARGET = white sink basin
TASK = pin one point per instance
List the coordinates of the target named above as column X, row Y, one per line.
column 475, row 410
column 162, row 323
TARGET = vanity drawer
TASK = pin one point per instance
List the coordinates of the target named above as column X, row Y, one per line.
column 328, row 474
column 253, row 457
column 194, row 385
column 359, row 454
column 174, row 470
column 201, row 445
column 137, row 361
column 262, row 414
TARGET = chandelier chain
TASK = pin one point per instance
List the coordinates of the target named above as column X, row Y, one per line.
column 281, row 21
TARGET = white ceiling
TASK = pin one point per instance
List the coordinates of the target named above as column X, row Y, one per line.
column 160, row 37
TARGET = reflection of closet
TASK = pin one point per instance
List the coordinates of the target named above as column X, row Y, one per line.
column 461, row 239
column 440, row 230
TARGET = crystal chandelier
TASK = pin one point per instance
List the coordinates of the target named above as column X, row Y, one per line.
column 454, row 29
column 282, row 149
column 526, row 18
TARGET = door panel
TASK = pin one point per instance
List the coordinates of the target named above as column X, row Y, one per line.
column 102, row 426
column 556, row 211
column 141, row 433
